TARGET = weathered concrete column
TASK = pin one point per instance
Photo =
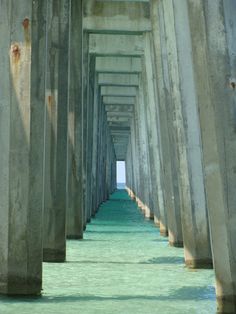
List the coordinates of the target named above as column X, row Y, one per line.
column 129, row 172
column 85, row 124
column 104, row 163
column 22, row 107
column 132, row 167
column 95, row 145
column 194, row 211
column 56, row 132
column 154, row 144
column 89, row 140
column 191, row 188
column 214, row 74
column 101, row 153
column 179, row 159
column 167, row 136
column 98, row 156
column 114, row 175
column 104, row 155
column 108, row 163
column 161, row 75
column 145, row 175
column 135, row 160
column 75, row 220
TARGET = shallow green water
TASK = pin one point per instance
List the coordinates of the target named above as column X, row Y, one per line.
column 122, row 266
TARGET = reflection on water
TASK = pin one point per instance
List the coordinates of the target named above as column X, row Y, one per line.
column 122, row 267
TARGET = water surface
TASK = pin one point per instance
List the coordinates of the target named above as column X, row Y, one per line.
column 123, row 266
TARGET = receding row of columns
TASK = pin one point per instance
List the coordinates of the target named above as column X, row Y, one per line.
column 57, row 161
column 188, row 92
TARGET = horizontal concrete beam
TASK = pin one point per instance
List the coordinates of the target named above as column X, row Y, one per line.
column 120, row 142
column 120, row 136
column 119, row 114
column 120, row 122
column 112, row 17
column 115, row 79
column 121, row 139
column 118, row 91
column 116, row 45
column 118, row 100
column 119, row 129
column 119, row 65
column 124, row 108
column 119, row 119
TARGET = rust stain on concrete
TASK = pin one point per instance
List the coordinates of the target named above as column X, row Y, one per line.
column 50, row 100
column 15, row 53
column 26, row 26
column 26, row 23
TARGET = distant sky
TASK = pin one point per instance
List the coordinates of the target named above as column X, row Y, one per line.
column 120, row 170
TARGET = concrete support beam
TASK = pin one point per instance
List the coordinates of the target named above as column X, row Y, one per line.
column 118, row 100
column 22, row 108
column 119, row 114
column 115, row 79
column 118, row 120
column 75, row 206
column 122, row 91
column 122, row 108
column 56, row 132
column 118, row 65
column 121, row 125
column 126, row 17
column 122, row 45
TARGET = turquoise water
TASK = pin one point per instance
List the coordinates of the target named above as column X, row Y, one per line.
column 122, row 266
